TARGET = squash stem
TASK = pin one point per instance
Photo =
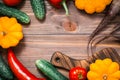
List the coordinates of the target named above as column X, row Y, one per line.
column 105, row 77
column 3, row 33
column 65, row 7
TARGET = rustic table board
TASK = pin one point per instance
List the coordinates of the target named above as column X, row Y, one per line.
column 67, row 34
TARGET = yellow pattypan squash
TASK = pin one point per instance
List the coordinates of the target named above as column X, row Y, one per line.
column 10, row 32
column 104, row 70
column 91, row 6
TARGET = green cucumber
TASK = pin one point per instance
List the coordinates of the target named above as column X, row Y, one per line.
column 1, row 78
column 12, row 12
column 38, row 7
column 49, row 70
column 5, row 71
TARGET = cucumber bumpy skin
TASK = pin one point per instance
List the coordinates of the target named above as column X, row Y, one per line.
column 12, row 12
column 5, row 71
column 49, row 70
column 38, row 7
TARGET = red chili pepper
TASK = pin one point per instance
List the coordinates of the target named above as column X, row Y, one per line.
column 18, row 69
column 59, row 3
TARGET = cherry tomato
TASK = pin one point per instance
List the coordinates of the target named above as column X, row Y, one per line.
column 12, row 2
column 77, row 73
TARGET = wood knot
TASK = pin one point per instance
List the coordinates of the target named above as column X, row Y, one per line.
column 69, row 25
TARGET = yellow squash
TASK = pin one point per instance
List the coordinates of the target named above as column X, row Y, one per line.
column 10, row 32
column 104, row 70
column 91, row 6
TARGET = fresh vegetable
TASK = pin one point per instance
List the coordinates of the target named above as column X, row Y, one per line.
column 91, row 6
column 10, row 32
column 18, row 69
column 38, row 7
column 48, row 69
column 12, row 2
column 104, row 70
column 12, row 12
column 110, row 15
column 59, row 4
column 78, row 73
column 1, row 78
column 5, row 71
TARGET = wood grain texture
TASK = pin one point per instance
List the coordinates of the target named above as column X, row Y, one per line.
column 58, row 32
column 63, row 61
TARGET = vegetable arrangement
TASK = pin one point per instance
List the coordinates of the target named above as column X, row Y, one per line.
column 11, row 34
column 39, row 10
column 38, row 7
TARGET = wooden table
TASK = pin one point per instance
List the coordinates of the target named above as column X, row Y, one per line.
column 58, row 32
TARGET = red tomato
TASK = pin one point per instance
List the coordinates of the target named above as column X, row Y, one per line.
column 12, row 2
column 78, row 73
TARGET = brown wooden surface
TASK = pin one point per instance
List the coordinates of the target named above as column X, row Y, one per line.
column 61, row 60
column 43, row 38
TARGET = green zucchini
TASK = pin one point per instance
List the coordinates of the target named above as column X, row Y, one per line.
column 12, row 12
column 5, row 71
column 49, row 70
column 38, row 7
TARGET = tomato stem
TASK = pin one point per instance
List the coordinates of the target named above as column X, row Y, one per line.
column 80, row 76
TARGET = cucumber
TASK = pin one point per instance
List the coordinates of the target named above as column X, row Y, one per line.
column 49, row 70
column 12, row 12
column 38, row 7
column 1, row 78
column 5, row 71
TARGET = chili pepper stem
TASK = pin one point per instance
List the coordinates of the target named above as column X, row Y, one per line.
column 65, row 7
